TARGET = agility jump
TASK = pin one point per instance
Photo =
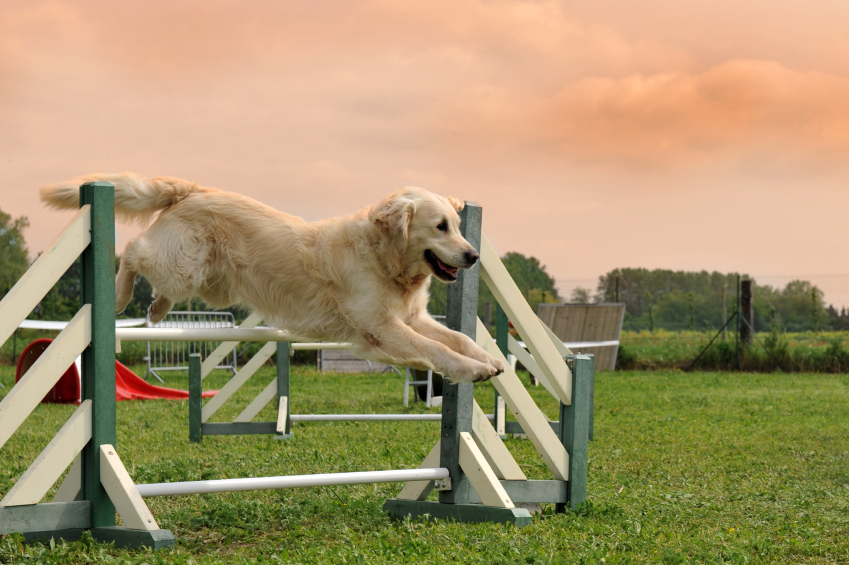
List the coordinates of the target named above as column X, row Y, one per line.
column 476, row 476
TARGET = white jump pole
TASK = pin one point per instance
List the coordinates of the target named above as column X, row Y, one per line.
column 221, row 334
column 370, row 417
column 202, row 334
column 293, row 481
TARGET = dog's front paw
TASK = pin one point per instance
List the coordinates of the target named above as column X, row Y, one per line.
column 498, row 364
column 475, row 372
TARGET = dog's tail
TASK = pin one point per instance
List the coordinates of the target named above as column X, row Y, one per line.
column 136, row 198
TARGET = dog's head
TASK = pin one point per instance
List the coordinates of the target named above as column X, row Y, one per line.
column 423, row 230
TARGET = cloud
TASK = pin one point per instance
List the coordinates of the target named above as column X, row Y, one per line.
column 735, row 111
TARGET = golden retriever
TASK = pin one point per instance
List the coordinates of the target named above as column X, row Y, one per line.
column 361, row 278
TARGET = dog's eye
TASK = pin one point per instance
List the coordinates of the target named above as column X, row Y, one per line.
column 443, row 226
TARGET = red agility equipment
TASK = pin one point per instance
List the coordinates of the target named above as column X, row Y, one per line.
column 128, row 385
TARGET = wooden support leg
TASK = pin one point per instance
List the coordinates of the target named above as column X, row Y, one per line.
column 284, row 374
column 574, row 430
column 195, row 399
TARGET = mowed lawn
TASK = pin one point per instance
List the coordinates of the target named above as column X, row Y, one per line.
column 698, row 467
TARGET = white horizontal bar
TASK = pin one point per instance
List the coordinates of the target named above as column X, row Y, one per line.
column 219, row 334
column 293, row 481
column 199, row 334
column 51, row 325
column 319, row 345
column 370, row 417
column 579, row 344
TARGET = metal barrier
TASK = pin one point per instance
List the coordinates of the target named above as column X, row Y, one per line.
column 174, row 355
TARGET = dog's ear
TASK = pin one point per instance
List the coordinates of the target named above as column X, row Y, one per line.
column 393, row 215
column 456, row 203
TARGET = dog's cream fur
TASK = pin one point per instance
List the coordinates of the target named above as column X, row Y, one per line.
column 361, row 278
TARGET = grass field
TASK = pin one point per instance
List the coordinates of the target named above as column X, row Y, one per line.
column 821, row 352
column 698, row 467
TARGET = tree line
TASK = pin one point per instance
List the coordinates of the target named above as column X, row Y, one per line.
column 680, row 300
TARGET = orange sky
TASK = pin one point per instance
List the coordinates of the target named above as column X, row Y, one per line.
column 684, row 135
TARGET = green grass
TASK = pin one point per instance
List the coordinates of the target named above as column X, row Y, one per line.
column 699, row 467
column 826, row 352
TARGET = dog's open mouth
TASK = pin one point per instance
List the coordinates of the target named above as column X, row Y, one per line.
column 440, row 269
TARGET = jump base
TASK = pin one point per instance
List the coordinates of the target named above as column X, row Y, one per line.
column 472, row 513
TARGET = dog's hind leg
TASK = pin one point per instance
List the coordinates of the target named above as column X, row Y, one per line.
column 159, row 308
column 124, row 281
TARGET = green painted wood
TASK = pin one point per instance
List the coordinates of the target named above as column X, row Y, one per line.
column 531, row 491
column 574, row 430
column 458, row 398
column 592, row 398
column 135, row 539
column 502, row 330
column 47, row 517
column 98, row 360
column 195, row 399
column 238, row 428
column 470, row 513
column 284, row 372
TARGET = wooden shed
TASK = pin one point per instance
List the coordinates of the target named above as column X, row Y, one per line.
column 587, row 328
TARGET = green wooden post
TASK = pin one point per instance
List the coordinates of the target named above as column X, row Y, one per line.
column 195, row 399
column 574, row 430
column 284, row 372
column 502, row 330
column 459, row 503
column 458, row 398
column 98, row 360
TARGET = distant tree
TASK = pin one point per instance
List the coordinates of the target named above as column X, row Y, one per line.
column 580, row 295
column 14, row 257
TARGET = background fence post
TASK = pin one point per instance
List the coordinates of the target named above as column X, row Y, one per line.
column 458, row 398
column 747, row 313
column 284, row 371
column 98, row 360
column 195, row 399
column 574, row 430
column 502, row 330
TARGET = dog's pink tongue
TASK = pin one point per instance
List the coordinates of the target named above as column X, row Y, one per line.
column 448, row 269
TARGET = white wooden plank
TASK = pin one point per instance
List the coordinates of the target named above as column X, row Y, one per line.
column 71, row 488
column 558, row 345
column 480, row 475
column 496, row 453
column 37, row 382
column 533, row 421
column 43, row 274
column 123, row 492
column 282, row 411
column 237, row 381
column 500, row 422
column 510, row 298
column 258, row 403
column 418, row 490
column 53, row 460
column 226, row 347
column 527, row 360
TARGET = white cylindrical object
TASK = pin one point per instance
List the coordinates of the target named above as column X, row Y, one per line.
column 319, row 345
column 294, row 481
column 202, row 334
column 370, row 417
column 366, row 417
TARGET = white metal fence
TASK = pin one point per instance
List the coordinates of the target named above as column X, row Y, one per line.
column 174, row 355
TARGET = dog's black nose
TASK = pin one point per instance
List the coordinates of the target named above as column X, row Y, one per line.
column 472, row 257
